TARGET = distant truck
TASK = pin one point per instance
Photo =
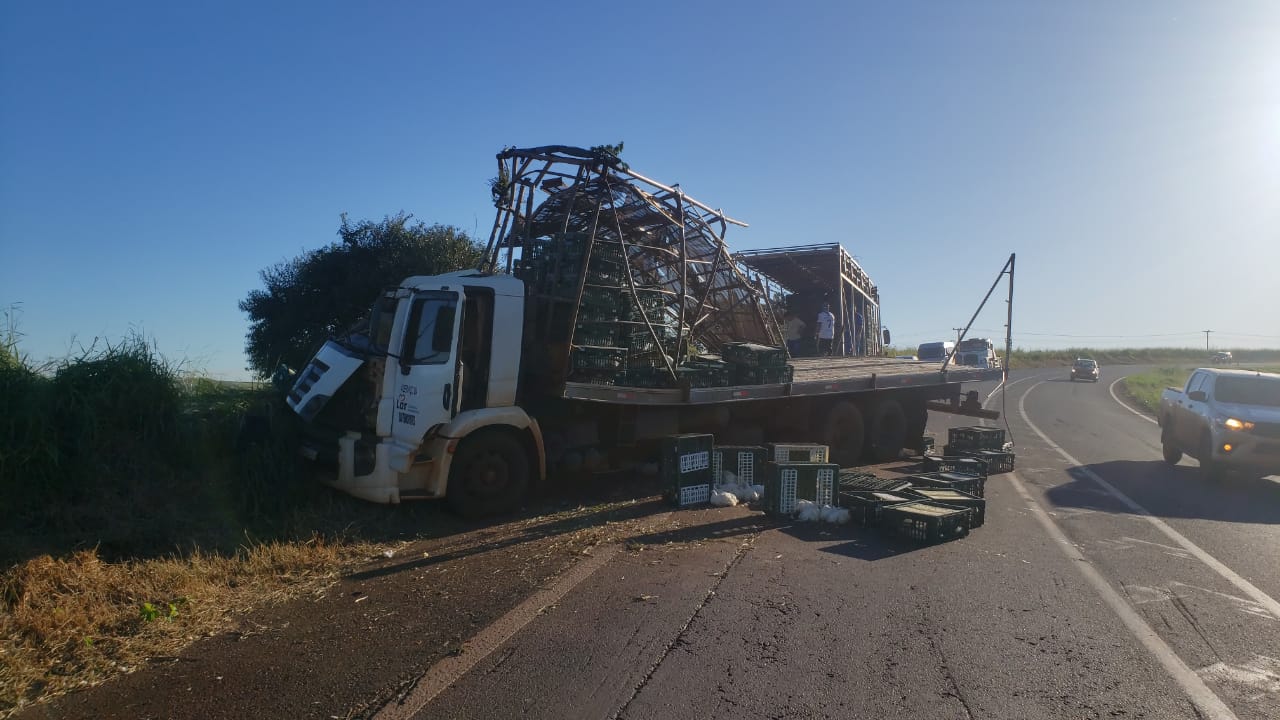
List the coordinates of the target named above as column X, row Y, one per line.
column 596, row 324
column 977, row 352
column 1226, row 419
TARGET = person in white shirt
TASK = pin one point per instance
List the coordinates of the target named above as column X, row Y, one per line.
column 793, row 327
column 826, row 330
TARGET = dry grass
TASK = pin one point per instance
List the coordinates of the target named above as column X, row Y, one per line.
column 76, row 621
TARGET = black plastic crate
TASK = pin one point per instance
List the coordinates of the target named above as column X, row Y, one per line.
column 754, row 355
column 972, row 484
column 751, row 375
column 997, row 461
column 685, row 467
column 590, row 358
column 785, row 484
column 955, row 498
column 852, row 480
column 926, row 521
column 975, row 438
column 865, row 505
column 964, row 464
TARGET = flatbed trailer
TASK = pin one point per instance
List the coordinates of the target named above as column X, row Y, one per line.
column 824, row 376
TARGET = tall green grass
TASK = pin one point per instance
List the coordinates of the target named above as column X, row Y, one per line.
column 116, row 448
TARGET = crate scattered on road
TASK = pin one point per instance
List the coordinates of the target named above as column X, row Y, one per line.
column 955, row 498
column 865, row 505
column 786, row 483
column 997, row 461
column 685, row 468
column 745, row 462
column 974, row 438
column 926, row 521
column 966, row 464
column 972, row 484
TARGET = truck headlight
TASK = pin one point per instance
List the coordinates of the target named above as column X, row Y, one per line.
column 1234, row 424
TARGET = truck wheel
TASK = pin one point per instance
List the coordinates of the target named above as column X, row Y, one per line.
column 1208, row 468
column 1171, row 452
column 489, row 475
column 887, row 432
column 843, row 433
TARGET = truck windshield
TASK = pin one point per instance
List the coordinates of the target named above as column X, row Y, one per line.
column 933, row 351
column 1257, row 390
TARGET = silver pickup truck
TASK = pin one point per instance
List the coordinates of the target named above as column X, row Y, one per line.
column 1226, row 419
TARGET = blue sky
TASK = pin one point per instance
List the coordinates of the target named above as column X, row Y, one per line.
column 155, row 156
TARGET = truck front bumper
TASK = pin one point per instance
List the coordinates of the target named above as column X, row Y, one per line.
column 1246, row 451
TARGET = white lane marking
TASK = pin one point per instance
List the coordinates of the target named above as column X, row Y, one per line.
column 1216, row 565
column 446, row 672
column 1207, row 703
column 1005, row 388
column 1112, row 389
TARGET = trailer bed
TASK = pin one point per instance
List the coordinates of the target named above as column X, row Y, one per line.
column 813, row 376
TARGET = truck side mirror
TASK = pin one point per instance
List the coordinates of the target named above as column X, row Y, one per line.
column 1197, row 395
column 885, row 333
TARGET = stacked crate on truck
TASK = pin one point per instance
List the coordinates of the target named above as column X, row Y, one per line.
column 685, row 468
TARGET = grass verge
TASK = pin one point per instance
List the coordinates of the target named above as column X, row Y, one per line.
column 74, row 621
column 1145, row 388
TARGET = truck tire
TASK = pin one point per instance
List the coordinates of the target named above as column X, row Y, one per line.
column 886, row 432
column 489, row 475
column 1208, row 468
column 843, row 433
column 1172, row 454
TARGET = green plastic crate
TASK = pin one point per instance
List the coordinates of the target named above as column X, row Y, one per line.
column 754, row 355
column 685, row 467
column 749, row 375
column 785, row 484
column 746, row 462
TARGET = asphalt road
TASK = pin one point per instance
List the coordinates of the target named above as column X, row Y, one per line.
column 1105, row 584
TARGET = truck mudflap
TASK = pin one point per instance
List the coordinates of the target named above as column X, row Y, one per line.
column 322, row 377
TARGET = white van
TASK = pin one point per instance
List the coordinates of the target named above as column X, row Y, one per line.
column 935, row 351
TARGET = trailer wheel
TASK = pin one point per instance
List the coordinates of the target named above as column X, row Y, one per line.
column 887, row 432
column 489, row 475
column 843, row 433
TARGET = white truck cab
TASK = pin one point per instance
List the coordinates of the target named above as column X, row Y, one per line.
column 440, row 357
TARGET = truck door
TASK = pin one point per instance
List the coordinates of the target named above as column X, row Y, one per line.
column 425, row 392
column 1187, row 412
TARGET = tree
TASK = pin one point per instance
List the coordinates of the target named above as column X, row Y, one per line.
column 323, row 292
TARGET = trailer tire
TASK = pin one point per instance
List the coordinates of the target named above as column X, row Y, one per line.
column 844, row 432
column 887, row 431
column 489, row 475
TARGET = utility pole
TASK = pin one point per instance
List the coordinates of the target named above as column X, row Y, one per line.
column 1206, row 340
column 958, row 331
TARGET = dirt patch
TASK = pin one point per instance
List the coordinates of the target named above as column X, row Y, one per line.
column 363, row 639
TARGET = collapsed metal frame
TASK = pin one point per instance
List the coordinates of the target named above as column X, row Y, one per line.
column 672, row 249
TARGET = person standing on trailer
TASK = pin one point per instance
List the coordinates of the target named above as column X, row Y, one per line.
column 794, row 327
column 826, row 330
